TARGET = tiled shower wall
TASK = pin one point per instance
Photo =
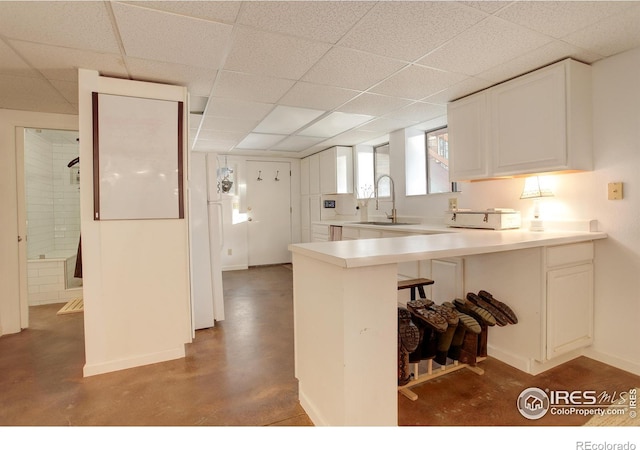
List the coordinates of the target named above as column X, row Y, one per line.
column 39, row 191
column 53, row 201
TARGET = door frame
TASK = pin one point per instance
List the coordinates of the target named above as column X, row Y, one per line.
column 14, row 306
column 291, row 209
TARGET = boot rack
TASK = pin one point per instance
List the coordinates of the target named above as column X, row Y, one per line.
column 440, row 370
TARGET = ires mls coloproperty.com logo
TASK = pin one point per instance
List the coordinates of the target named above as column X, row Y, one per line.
column 534, row 403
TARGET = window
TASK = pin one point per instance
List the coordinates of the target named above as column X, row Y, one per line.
column 373, row 162
column 427, row 163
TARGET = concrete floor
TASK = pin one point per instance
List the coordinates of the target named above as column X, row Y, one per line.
column 241, row 373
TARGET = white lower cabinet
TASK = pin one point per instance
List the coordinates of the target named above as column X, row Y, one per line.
column 569, row 298
column 551, row 291
column 319, row 233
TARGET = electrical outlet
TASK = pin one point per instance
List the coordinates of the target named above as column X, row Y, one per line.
column 229, row 252
column 453, row 203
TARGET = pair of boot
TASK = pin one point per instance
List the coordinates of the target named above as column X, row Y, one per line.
column 408, row 341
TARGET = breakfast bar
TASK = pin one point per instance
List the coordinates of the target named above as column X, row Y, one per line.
column 345, row 306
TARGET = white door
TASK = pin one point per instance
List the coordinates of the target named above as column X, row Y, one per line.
column 269, row 212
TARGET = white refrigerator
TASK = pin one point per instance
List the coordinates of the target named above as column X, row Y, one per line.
column 206, row 242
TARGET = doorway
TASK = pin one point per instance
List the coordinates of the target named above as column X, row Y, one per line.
column 269, row 212
column 51, row 180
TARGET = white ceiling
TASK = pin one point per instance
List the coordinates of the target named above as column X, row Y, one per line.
column 292, row 78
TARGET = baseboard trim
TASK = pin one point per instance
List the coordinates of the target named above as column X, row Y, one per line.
column 128, row 363
column 618, row 363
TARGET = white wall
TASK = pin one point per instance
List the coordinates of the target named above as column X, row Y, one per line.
column 136, row 272
column 38, row 164
column 580, row 196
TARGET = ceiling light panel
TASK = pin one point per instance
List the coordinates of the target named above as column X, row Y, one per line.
column 335, row 123
column 257, row 141
column 287, row 119
column 317, row 96
column 296, row 143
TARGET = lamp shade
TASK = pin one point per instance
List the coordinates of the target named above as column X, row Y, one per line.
column 532, row 189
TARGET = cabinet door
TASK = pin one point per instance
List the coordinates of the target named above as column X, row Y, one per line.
column 336, row 171
column 304, row 176
column 328, row 171
column 528, row 123
column 314, row 174
column 305, row 218
column 569, row 309
column 468, row 123
column 449, row 279
column 314, row 208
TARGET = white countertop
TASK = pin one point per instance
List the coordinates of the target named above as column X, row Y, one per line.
column 449, row 243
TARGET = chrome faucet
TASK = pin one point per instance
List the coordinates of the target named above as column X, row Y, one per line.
column 393, row 216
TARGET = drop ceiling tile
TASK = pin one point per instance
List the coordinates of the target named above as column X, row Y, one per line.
column 490, row 43
column 416, row 82
column 12, row 64
column 198, row 80
column 237, row 109
column 223, row 142
column 86, row 25
column 352, row 137
column 613, row 35
column 465, row 87
column 322, row 21
column 166, row 37
column 29, row 89
column 287, row 119
column 229, row 125
column 197, row 104
column 374, row 104
column 296, row 143
column 335, row 123
column 537, row 58
column 352, row 69
column 257, row 141
column 384, row 125
column 418, row 112
column 270, row 54
column 559, row 18
column 409, row 30
column 61, row 63
column 217, row 11
column 68, row 89
column 487, row 6
column 194, row 121
column 317, row 96
column 245, row 86
column 32, row 94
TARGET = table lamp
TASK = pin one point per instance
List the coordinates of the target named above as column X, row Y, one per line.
column 532, row 189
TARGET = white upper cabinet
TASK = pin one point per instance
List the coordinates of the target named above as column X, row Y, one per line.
column 304, row 176
column 336, row 170
column 536, row 123
column 314, row 174
column 468, row 123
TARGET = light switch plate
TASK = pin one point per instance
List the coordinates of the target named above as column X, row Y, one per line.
column 615, row 191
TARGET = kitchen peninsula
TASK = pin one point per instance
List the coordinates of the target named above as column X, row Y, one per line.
column 345, row 300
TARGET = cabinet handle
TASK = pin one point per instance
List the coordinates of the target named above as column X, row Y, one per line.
column 19, row 238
